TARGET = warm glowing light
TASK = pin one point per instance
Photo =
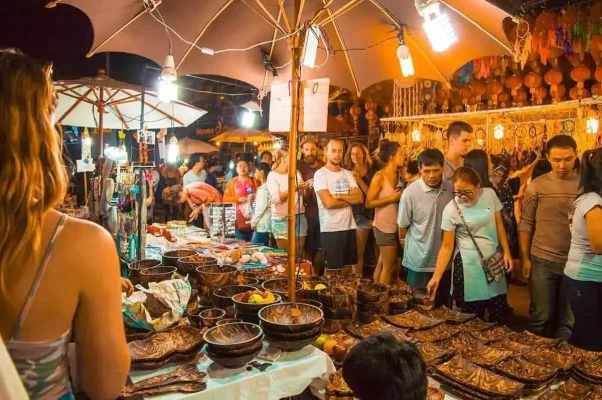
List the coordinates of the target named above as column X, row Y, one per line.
column 480, row 142
column 405, row 60
column 255, row 143
column 416, row 135
column 498, row 131
column 248, row 119
column 218, row 143
column 277, row 145
column 172, row 150
column 168, row 91
column 88, row 141
column 231, row 164
column 117, row 154
column 437, row 25
column 592, row 125
column 310, row 50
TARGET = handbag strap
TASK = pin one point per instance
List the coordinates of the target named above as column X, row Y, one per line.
column 468, row 229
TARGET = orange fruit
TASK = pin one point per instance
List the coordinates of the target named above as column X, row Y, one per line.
column 329, row 347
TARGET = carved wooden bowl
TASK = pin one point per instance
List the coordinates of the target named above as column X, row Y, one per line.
column 254, row 272
column 241, row 307
column 283, row 317
column 312, row 281
column 210, row 317
column 157, row 274
column 375, row 308
column 245, row 351
column 335, row 325
column 232, row 362
column 335, row 297
column 170, row 258
column 282, row 336
column 280, row 286
column 234, row 336
column 293, row 345
column 215, row 276
column 228, row 321
column 135, row 267
column 222, row 297
column 248, row 281
column 311, row 302
column 251, row 318
column 372, row 293
column 188, row 265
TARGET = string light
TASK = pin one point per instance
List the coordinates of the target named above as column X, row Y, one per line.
column 437, row 25
column 416, row 134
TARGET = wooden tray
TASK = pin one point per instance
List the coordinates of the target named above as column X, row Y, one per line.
column 591, row 369
column 363, row 331
column 179, row 340
column 476, row 325
column 438, row 333
column 459, row 342
column 484, row 356
column 526, row 372
column 576, row 353
column 494, row 334
column 433, row 354
column 550, row 358
column 336, row 385
column 531, row 339
column 448, row 316
column 412, row 320
column 510, row 345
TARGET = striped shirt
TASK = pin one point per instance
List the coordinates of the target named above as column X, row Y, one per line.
column 420, row 211
column 548, row 201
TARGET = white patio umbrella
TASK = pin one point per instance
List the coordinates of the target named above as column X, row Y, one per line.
column 105, row 103
column 189, row 146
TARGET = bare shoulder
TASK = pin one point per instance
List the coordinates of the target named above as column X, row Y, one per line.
column 91, row 245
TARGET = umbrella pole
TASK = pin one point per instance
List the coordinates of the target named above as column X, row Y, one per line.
column 292, row 160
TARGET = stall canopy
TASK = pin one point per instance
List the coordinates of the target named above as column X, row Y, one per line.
column 362, row 36
column 189, row 146
column 244, row 136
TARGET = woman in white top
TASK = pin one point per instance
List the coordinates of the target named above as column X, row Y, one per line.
column 262, row 210
column 278, row 188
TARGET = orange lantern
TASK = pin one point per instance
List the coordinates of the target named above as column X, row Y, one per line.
column 355, row 112
column 598, row 74
column 503, row 99
column 479, row 88
column 553, row 78
column 560, row 92
column 532, row 81
column 371, row 115
column 540, row 93
column 465, row 92
column 514, row 82
column 494, row 88
column 597, row 89
column 521, row 97
column 577, row 93
column 579, row 74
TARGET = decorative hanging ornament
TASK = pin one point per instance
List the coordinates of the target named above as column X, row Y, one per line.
column 494, row 88
column 580, row 74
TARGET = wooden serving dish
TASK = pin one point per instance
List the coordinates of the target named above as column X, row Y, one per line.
column 448, row 316
column 170, row 258
column 531, row 339
column 433, row 354
column 460, row 341
column 412, row 320
column 232, row 362
column 484, row 356
column 234, row 336
column 336, row 297
column 241, row 307
column 215, row 276
column 188, row 265
column 280, row 287
column 440, row 332
column 476, row 325
column 295, row 336
column 573, row 352
column 181, row 339
column 364, row 331
column 494, row 334
column 336, row 385
column 290, row 318
column 526, row 372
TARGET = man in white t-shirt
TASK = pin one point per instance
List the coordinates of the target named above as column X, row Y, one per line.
column 337, row 190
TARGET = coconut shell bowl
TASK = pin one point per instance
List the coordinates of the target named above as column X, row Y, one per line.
column 157, row 274
column 233, row 345
column 290, row 327
column 245, row 308
column 222, row 297
column 371, row 293
column 215, row 276
column 280, row 286
column 170, row 258
column 135, row 267
column 188, row 265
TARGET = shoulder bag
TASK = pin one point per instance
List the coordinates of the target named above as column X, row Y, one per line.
column 494, row 265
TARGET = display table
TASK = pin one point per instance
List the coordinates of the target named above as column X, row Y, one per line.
column 288, row 376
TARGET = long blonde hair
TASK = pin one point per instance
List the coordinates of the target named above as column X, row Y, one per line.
column 279, row 156
column 32, row 176
column 348, row 164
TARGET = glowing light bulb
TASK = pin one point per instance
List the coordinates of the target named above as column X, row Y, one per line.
column 277, row 145
column 88, row 141
column 248, row 119
column 172, row 150
column 498, row 131
column 231, row 164
column 592, row 125
column 218, row 143
column 405, row 60
column 255, row 143
column 168, row 91
column 416, row 135
column 437, row 25
column 480, row 142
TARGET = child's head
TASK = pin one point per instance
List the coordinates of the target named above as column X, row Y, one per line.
column 384, row 368
column 263, row 169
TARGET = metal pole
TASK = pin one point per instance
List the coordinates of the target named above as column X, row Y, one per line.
column 101, row 118
column 141, row 184
column 292, row 157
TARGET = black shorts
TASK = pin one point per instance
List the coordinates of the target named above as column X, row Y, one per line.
column 313, row 244
column 340, row 249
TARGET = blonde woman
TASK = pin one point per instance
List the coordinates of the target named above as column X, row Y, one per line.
column 59, row 276
column 358, row 161
column 277, row 184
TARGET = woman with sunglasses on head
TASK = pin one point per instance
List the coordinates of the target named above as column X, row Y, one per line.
column 474, row 234
column 241, row 190
column 59, row 276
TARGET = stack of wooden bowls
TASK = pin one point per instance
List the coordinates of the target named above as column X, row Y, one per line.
column 213, row 276
column 135, row 267
column 280, row 287
column 171, row 257
column 372, row 302
column 291, row 327
column 248, row 312
column 233, row 345
column 222, row 297
column 339, row 308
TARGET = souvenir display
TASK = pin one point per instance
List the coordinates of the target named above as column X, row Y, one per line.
column 160, row 345
column 412, row 320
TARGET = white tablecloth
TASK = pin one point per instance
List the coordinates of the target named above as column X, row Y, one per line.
column 288, row 376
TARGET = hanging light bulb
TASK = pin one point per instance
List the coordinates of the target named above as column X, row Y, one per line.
column 405, row 58
column 248, row 119
column 592, row 125
column 416, row 134
column 168, row 88
column 498, row 131
column 117, row 154
column 437, row 25
column 310, row 50
column 255, row 143
column 218, row 143
column 88, row 141
column 172, row 150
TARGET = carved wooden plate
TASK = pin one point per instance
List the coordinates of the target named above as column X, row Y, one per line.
column 484, row 356
column 448, row 316
column 188, row 373
column 459, row 342
column 524, row 371
column 336, row 385
column 474, row 377
column 343, row 338
column 176, row 358
column 181, row 339
column 550, row 358
column 573, row 352
column 494, row 334
column 434, row 394
column 518, row 349
column 433, row 354
column 570, row 390
column 435, row 334
column 476, row 325
column 176, row 387
column 591, row 370
column 531, row 339
column 412, row 320
column 363, row 331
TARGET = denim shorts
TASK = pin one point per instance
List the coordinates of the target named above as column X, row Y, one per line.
column 362, row 221
column 280, row 227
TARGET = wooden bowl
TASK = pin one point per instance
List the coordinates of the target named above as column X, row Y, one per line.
column 281, row 336
column 337, row 313
column 170, row 258
column 157, row 274
column 250, row 318
column 210, row 316
column 280, row 286
column 248, row 281
column 228, row 321
column 278, row 317
column 232, row 362
column 332, row 326
column 245, row 351
column 335, row 297
column 312, row 281
column 241, row 307
column 135, row 267
column 215, row 276
column 311, row 302
column 255, row 272
column 372, row 293
column 375, row 308
column 293, row 345
column 222, row 297
column 188, row 265
column 233, row 336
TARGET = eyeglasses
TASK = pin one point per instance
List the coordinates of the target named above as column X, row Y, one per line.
column 463, row 193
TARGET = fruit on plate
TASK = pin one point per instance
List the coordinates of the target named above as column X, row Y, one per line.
column 340, row 352
column 319, row 286
column 329, row 347
column 320, row 341
column 306, row 286
column 258, row 297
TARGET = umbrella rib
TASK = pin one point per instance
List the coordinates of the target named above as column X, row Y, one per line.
column 202, row 32
column 344, row 48
column 338, row 13
column 134, row 18
column 472, row 21
column 272, row 45
column 283, row 12
column 277, row 26
column 70, row 109
column 301, row 6
column 117, row 108
column 410, row 39
column 155, row 108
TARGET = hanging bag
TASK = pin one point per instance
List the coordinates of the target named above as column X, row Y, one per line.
column 494, row 265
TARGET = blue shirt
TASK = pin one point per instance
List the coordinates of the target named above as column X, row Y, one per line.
column 480, row 218
column 420, row 211
column 191, row 177
column 583, row 263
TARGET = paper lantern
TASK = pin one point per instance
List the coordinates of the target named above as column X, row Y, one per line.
column 553, row 78
column 355, row 112
column 578, row 93
column 521, row 97
column 494, row 88
column 503, row 99
column 598, row 74
column 514, row 82
column 580, row 74
column 597, row 89
column 532, row 81
column 479, row 88
column 540, row 93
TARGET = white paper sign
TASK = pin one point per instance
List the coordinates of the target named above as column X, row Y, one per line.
column 313, row 115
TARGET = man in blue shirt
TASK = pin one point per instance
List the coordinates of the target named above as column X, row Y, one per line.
column 420, row 209
column 196, row 170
